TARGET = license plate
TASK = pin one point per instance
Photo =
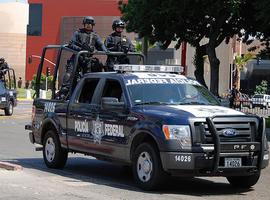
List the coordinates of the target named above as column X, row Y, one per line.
column 233, row 162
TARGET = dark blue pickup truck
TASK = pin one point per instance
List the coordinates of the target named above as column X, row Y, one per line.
column 159, row 122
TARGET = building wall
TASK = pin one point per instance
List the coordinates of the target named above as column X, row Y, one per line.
column 13, row 21
column 53, row 13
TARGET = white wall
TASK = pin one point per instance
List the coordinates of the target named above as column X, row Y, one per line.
column 13, row 26
column 13, row 17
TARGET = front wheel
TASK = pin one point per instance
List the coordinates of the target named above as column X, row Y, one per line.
column 9, row 109
column 53, row 154
column 244, row 181
column 147, row 169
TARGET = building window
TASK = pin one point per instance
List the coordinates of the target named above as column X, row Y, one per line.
column 34, row 27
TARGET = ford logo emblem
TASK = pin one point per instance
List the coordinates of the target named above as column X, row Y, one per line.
column 229, row 132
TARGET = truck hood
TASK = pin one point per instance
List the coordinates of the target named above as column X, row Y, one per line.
column 182, row 113
column 207, row 111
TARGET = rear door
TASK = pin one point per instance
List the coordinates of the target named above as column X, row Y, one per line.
column 81, row 113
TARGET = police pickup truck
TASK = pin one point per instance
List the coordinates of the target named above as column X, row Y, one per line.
column 155, row 120
column 8, row 93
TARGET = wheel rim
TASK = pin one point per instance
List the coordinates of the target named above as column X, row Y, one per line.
column 49, row 149
column 10, row 108
column 144, row 167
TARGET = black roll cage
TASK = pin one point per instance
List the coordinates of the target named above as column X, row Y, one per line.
column 77, row 53
column 10, row 74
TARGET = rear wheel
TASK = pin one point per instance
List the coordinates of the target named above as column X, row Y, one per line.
column 53, row 154
column 244, row 181
column 147, row 169
column 9, row 109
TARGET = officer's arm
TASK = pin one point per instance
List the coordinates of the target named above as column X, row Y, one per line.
column 110, row 44
column 131, row 46
column 100, row 45
column 74, row 44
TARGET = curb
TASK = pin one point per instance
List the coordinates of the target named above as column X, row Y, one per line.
column 10, row 166
column 24, row 99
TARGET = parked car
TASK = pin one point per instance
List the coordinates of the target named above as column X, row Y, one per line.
column 261, row 100
column 243, row 100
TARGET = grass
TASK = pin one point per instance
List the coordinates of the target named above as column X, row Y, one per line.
column 21, row 93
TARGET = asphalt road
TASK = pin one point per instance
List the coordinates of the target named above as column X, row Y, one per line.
column 88, row 178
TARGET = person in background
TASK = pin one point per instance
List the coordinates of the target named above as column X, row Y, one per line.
column 233, row 96
column 20, row 82
column 3, row 66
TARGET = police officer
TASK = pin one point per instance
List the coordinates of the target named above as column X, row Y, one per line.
column 83, row 39
column 117, row 42
column 3, row 66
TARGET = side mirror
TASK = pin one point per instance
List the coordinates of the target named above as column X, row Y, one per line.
column 112, row 104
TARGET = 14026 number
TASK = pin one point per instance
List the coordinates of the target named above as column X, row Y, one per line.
column 182, row 158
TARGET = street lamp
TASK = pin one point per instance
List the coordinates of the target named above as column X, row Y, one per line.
column 39, row 57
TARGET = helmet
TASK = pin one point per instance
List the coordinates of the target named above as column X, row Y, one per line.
column 118, row 23
column 88, row 20
column 2, row 60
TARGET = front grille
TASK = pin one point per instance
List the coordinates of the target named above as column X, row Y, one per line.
column 246, row 131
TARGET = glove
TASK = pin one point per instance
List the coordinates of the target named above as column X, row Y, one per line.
column 125, row 49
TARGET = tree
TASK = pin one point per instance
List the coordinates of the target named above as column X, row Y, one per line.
column 262, row 25
column 240, row 63
column 262, row 88
column 190, row 21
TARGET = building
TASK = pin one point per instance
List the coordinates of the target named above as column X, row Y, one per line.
column 13, row 21
column 53, row 22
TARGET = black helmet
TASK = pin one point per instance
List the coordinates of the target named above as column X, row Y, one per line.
column 118, row 23
column 2, row 60
column 88, row 20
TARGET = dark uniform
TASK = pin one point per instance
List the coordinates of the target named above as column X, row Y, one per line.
column 82, row 39
column 3, row 66
column 116, row 42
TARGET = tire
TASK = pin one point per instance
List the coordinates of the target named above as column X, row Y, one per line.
column 244, row 181
column 146, row 167
column 9, row 109
column 53, row 154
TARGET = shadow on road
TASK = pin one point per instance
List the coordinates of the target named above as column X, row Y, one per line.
column 102, row 173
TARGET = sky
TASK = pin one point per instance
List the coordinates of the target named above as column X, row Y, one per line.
column 5, row 1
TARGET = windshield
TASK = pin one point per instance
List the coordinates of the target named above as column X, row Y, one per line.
column 170, row 94
column 258, row 96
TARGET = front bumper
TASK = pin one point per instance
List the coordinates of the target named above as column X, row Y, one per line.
column 203, row 164
column 210, row 159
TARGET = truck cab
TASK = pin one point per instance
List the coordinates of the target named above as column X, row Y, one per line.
column 157, row 121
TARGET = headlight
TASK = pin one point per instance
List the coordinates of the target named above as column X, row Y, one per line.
column 178, row 132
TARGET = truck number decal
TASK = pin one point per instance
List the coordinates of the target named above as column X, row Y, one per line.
column 182, row 158
column 49, row 107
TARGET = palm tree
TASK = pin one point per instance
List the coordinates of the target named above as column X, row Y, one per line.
column 240, row 63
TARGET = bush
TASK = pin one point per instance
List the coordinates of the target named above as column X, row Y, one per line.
column 42, row 82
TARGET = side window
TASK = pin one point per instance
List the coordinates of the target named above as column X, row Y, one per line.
column 88, row 90
column 113, row 88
